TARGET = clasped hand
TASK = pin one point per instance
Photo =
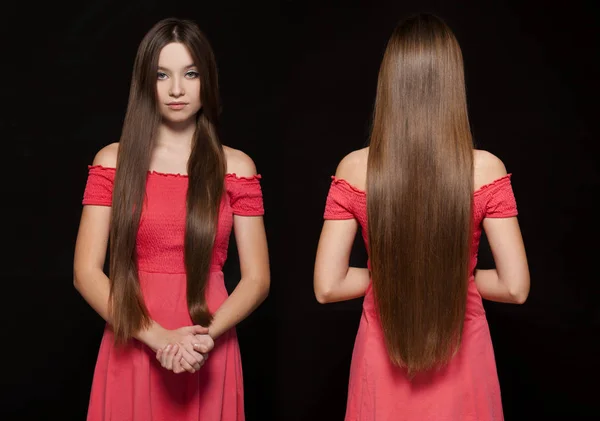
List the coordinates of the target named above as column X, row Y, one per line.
column 186, row 349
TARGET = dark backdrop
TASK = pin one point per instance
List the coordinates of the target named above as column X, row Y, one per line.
column 532, row 86
column 67, row 75
column 298, row 83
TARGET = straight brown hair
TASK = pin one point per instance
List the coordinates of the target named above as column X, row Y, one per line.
column 206, row 173
column 420, row 193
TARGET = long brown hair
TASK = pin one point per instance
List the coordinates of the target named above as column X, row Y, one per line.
column 206, row 172
column 420, row 193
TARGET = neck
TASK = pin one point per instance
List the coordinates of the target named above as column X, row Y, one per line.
column 176, row 134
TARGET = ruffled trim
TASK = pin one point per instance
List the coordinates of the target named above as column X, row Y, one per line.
column 494, row 183
column 167, row 174
column 179, row 175
column 348, row 185
column 239, row 177
column 151, row 172
column 100, row 167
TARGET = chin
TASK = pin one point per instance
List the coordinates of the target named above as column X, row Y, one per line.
column 177, row 118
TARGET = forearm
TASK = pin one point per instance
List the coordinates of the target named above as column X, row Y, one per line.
column 348, row 287
column 491, row 287
column 244, row 299
column 94, row 287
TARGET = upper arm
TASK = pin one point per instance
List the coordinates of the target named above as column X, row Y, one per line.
column 506, row 243
column 92, row 238
column 249, row 231
column 337, row 235
column 251, row 241
column 334, row 248
column 94, row 225
column 502, row 230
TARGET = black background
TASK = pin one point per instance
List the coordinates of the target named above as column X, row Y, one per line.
column 298, row 83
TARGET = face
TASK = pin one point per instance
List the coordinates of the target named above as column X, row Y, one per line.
column 177, row 84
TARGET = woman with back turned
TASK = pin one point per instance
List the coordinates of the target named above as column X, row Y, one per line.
column 422, row 195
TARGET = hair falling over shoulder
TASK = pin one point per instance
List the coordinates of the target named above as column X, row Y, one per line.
column 420, row 185
column 206, row 172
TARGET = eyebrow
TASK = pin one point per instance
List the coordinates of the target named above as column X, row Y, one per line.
column 185, row 67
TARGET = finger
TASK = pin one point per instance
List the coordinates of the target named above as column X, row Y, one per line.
column 207, row 340
column 167, row 357
column 199, row 330
column 205, row 343
column 187, row 366
column 176, row 361
column 164, row 354
column 180, row 364
column 197, row 356
column 159, row 354
column 200, row 347
column 171, row 355
column 177, row 368
column 204, row 358
column 193, row 360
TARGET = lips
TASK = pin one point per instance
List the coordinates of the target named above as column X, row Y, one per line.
column 176, row 105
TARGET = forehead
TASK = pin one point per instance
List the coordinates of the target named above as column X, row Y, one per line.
column 175, row 55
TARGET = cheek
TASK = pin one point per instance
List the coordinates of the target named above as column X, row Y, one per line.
column 195, row 95
column 162, row 92
column 196, row 92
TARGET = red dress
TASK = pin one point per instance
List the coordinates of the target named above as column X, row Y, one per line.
column 129, row 384
column 465, row 390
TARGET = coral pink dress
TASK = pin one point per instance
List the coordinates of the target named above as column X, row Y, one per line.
column 129, row 383
column 465, row 390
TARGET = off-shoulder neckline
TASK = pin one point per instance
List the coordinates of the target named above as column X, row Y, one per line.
column 179, row 175
column 484, row 187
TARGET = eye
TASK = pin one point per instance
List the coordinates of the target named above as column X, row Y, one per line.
column 192, row 74
column 161, row 76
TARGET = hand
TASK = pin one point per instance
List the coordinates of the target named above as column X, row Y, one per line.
column 171, row 358
column 184, row 349
column 157, row 337
column 204, row 343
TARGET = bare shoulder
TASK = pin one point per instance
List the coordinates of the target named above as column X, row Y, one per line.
column 353, row 168
column 238, row 162
column 107, row 156
column 488, row 167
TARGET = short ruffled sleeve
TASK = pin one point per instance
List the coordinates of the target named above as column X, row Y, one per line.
column 245, row 195
column 340, row 200
column 501, row 202
column 99, row 186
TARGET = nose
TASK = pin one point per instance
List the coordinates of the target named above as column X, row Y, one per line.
column 176, row 88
